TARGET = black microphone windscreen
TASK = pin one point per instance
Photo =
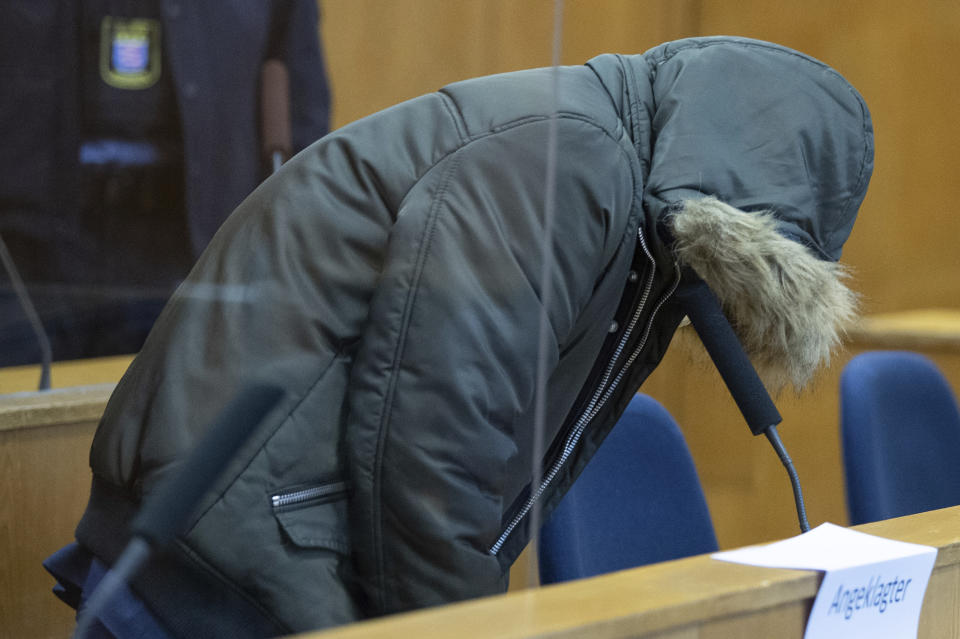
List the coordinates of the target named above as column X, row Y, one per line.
column 706, row 315
column 165, row 513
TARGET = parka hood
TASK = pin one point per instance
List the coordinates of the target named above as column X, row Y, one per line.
column 756, row 159
column 757, row 125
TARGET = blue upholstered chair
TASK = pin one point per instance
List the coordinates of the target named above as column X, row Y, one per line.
column 638, row 501
column 900, row 429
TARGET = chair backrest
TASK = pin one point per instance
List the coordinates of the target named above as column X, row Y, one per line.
column 900, row 430
column 638, row 501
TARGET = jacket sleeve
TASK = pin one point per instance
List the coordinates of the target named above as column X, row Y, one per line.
column 283, row 288
column 282, row 293
column 442, row 389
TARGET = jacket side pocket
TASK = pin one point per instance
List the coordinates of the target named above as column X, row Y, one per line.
column 314, row 515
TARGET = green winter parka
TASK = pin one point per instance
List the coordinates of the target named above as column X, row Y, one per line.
column 390, row 278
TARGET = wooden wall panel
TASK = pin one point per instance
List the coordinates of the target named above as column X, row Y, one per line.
column 380, row 52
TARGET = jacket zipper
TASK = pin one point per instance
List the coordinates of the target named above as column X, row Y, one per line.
column 322, row 492
column 600, row 396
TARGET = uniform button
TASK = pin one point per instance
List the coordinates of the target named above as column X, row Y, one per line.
column 190, row 90
column 173, row 11
column 614, row 327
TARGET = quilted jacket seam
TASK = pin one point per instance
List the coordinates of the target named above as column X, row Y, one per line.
column 397, row 359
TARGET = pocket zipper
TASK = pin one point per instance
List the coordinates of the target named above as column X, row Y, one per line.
column 306, row 495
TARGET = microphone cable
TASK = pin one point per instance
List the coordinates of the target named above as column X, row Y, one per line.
column 774, row 439
column 46, row 354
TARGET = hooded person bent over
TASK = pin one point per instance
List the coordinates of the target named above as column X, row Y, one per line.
column 389, row 278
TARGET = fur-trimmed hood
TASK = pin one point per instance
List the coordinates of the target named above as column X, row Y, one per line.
column 788, row 307
column 760, row 157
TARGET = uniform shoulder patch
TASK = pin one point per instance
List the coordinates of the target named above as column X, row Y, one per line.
column 130, row 52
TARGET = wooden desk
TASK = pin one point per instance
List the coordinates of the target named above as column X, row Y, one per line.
column 82, row 372
column 694, row 598
column 933, row 329
column 44, row 485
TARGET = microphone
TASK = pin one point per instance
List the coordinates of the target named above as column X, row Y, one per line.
column 714, row 330
column 167, row 511
column 46, row 354
column 751, row 396
column 275, row 113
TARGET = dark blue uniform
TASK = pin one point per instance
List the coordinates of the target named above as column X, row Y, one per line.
column 131, row 130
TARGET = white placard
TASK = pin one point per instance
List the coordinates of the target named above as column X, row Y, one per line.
column 873, row 587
